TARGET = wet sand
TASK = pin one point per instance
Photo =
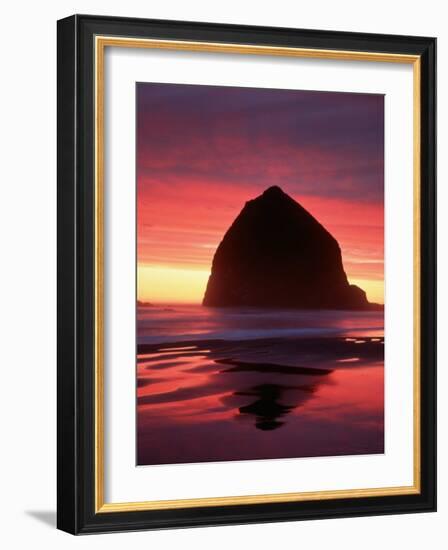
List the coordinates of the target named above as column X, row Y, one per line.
column 212, row 400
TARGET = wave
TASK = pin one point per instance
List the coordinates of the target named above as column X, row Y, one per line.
column 253, row 334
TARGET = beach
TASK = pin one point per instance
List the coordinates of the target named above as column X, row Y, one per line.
column 250, row 383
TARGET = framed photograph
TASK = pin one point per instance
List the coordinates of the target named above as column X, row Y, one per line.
column 246, row 274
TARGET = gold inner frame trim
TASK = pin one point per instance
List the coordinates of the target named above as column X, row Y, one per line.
column 101, row 42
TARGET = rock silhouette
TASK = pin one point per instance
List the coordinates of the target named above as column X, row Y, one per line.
column 276, row 254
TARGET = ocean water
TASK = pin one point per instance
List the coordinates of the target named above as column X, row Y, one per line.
column 247, row 383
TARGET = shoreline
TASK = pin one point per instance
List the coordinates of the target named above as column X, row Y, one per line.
column 304, row 353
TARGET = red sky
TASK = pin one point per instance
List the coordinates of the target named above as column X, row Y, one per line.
column 203, row 151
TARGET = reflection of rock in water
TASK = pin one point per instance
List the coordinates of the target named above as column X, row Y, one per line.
column 267, row 409
column 276, row 395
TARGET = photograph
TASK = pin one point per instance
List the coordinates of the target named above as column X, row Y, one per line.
column 260, row 273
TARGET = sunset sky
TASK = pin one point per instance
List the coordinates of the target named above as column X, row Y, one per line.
column 203, row 151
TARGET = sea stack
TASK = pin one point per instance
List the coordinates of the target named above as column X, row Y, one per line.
column 276, row 254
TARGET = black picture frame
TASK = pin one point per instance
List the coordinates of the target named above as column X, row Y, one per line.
column 76, row 285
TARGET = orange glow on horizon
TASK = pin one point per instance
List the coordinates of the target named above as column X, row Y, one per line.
column 165, row 285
